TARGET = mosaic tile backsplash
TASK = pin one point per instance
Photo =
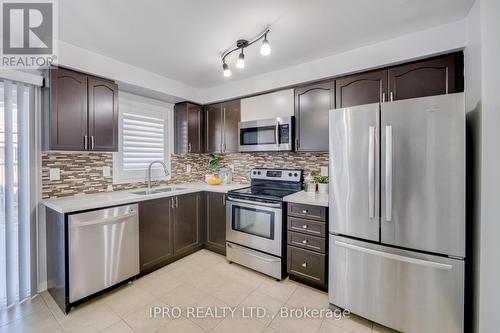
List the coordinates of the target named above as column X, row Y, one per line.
column 82, row 172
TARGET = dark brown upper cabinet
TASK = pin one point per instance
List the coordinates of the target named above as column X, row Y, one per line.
column 312, row 105
column 188, row 128
column 215, row 215
column 221, row 120
column 443, row 75
column 67, row 116
column 103, row 114
column 214, row 122
column 359, row 89
column 81, row 112
column 187, row 222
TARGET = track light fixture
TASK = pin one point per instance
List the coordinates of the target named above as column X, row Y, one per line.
column 241, row 44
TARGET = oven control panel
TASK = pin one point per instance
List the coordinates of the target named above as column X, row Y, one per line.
column 276, row 174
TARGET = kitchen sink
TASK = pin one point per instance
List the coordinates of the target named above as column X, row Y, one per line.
column 158, row 190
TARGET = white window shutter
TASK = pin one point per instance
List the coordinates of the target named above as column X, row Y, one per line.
column 143, row 141
column 145, row 135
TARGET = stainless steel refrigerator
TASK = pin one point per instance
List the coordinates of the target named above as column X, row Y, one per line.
column 397, row 212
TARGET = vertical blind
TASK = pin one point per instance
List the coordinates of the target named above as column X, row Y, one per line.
column 15, row 223
column 143, row 141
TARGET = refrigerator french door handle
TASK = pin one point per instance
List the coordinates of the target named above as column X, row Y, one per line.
column 388, row 173
column 276, row 134
column 371, row 171
column 397, row 257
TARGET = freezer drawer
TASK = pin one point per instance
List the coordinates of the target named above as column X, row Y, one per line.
column 408, row 291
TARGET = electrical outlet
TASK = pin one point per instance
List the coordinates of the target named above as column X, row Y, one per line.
column 188, row 168
column 106, row 171
column 54, row 174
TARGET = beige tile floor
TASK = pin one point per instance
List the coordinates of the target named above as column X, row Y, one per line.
column 203, row 279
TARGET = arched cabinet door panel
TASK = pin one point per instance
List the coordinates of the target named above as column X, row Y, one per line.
column 425, row 78
column 103, row 115
column 68, row 110
column 312, row 106
column 360, row 89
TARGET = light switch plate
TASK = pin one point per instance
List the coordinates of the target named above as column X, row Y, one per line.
column 106, row 171
column 54, row 174
column 324, row 171
column 188, row 168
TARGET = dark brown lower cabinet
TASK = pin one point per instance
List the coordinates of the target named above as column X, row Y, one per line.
column 155, row 233
column 307, row 244
column 215, row 211
column 187, row 223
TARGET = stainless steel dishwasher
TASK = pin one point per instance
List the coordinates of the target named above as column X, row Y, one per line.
column 103, row 249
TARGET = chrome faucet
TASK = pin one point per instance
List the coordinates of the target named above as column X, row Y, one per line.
column 149, row 172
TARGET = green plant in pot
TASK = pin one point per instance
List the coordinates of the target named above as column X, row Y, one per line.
column 322, row 182
column 214, row 164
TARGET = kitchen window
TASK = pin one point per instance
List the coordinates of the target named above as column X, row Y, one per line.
column 145, row 135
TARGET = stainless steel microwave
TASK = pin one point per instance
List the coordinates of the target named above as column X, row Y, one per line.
column 274, row 134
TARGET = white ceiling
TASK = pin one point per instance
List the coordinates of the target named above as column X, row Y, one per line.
column 183, row 39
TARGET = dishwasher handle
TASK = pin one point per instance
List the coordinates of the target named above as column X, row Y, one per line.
column 105, row 220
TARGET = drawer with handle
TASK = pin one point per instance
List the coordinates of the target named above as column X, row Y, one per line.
column 308, row 242
column 307, row 211
column 309, row 227
column 306, row 264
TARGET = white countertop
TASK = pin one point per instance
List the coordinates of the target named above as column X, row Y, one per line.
column 107, row 199
column 302, row 197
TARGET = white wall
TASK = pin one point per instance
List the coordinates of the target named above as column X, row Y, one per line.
column 126, row 75
column 417, row 45
column 489, row 295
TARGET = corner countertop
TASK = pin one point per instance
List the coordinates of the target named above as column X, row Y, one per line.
column 302, row 197
column 108, row 199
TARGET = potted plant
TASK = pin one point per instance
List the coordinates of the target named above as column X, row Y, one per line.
column 213, row 163
column 322, row 182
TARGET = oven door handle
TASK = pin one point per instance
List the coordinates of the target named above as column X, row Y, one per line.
column 255, row 203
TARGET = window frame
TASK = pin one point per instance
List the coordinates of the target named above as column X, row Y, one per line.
column 143, row 106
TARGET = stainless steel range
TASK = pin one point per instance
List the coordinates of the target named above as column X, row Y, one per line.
column 255, row 220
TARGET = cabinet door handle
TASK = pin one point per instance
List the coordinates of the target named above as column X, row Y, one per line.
column 223, row 200
column 296, row 144
column 392, row 96
column 85, row 142
column 304, row 264
column 92, row 142
column 189, row 147
column 176, row 202
column 383, row 97
column 304, row 241
column 172, row 203
column 304, row 226
column 304, row 211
